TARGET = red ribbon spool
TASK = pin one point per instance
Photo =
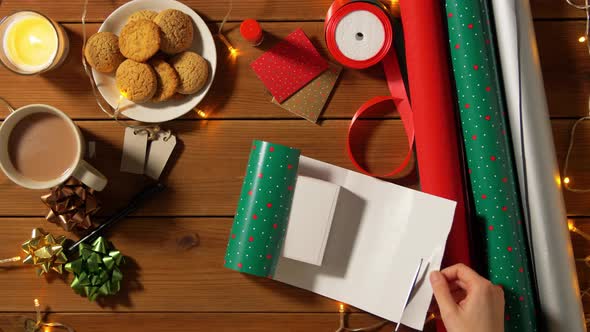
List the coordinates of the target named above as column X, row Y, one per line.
column 379, row 43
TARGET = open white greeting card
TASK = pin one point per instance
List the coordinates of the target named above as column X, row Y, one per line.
column 359, row 240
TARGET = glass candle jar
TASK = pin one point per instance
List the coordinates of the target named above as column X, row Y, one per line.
column 32, row 43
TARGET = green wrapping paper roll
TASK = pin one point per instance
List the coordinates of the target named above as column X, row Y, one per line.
column 257, row 235
column 490, row 159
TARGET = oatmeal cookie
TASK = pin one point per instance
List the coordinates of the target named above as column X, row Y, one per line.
column 176, row 31
column 139, row 40
column 137, row 81
column 146, row 14
column 102, row 52
column 167, row 80
column 193, row 71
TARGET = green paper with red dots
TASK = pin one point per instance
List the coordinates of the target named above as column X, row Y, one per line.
column 259, row 227
column 490, row 159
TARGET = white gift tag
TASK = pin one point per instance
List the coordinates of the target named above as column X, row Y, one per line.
column 134, row 151
column 159, row 153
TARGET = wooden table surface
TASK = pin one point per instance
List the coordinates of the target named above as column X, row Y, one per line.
column 168, row 288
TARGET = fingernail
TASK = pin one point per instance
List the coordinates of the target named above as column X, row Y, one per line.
column 435, row 276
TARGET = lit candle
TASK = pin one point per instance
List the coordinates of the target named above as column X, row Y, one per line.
column 32, row 43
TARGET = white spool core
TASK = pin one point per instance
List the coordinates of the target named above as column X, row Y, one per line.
column 360, row 35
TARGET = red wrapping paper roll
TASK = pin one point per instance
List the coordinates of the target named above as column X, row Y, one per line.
column 437, row 143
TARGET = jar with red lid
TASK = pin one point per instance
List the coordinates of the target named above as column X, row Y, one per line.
column 252, row 32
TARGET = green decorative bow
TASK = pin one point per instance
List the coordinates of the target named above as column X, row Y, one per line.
column 97, row 270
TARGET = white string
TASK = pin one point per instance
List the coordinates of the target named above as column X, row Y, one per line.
column 10, row 260
column 575, row 5
column 6, row 104
column 569, row 152
column 220, row 30
column 226, row 17
column 37, row 325
column 568, row 186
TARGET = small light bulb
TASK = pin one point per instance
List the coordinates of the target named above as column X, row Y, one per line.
column 232, row 50
column 341, row 308
column 566, row 180
column 570, row 225
column 201, row 114
column 582, row 39
column 36, row 302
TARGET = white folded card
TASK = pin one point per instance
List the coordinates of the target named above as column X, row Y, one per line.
column 372, row 245
column 312, row 211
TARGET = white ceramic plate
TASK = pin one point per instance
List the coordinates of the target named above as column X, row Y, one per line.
column 203, row 44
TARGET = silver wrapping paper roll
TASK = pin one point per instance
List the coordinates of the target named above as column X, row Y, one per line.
column 553, row 260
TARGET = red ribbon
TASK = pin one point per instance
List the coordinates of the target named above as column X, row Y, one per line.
column 399, row 97
column 386, row 55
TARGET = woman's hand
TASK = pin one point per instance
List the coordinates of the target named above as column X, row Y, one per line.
column 467, row 301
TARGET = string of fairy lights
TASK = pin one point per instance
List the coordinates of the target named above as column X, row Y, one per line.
column 343, row 312
column 567, row 180
column 38, row 324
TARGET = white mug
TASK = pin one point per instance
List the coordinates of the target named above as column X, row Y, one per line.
column 79, row 169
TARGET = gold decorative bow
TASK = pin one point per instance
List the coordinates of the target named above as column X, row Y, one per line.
column 71, row 205
column 45, row 251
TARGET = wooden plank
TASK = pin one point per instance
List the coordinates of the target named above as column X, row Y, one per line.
column 194, row 322
column 161, row 274
column 576, row 203
column 198, row 322
column 277, row 10
column 215, row 177
column 165, row 272
column 207, row 177
column 236, row 92
column 551, row 9
column 565, row 66
column 98, row 10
